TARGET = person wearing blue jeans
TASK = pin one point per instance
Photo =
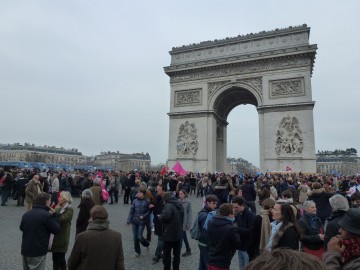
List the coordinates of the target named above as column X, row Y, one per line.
column 138, row 215
column 138, row 231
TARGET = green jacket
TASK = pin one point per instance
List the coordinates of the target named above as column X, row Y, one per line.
column 61, row 240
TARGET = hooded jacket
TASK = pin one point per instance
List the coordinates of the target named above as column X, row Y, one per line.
column 224, row 240
column 172, row 217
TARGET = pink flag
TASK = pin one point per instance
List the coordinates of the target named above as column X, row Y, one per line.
column 288, row 168
column 178, row 168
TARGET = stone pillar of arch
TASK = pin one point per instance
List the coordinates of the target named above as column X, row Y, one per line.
column 270, row 70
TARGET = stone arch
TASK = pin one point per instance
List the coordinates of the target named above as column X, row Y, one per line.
column 271, row 70
column 232, row 94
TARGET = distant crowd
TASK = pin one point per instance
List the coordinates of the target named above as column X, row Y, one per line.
column 308, row 221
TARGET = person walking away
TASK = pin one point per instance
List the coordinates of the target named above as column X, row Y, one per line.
column 20, row 189
column 157, row 210
column 97, row 238
column 85, row 206
column 36, row 225
column 261, row 229
column 186, row 203
column 172, row 217
column 60, row 243
column 224, row 240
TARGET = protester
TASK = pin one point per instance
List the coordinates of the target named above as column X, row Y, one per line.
column 210, row 205
column 343, row 251
column 157, row 210
column 60, row 243
column 33, row 189
column 37, row 224
column 96, row 192
column 285, row 231
column 321, row 199
column 224, row 238
column 85, row 206
column 261, row 229
column 8, row 185
column 339, row 206
column 172, row 217
column 312, row 236
column 244, row 220
column 138, row 214
column 186, row 203
column 98, row 238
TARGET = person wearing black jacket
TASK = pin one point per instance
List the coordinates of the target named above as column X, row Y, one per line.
column 157, row 210
column 244, row 220
column 224, row 238
column 340, row 206
column 20, row 189
column 37, row 225
column 249, row 194
column 172, row 218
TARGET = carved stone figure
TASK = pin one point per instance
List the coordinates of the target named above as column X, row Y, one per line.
column 187, row 142
column 289, row 139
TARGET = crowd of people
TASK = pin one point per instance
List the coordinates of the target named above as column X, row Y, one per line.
column 255, row 216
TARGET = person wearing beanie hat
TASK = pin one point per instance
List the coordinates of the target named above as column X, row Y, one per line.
column 344, row 249
column 97, row 237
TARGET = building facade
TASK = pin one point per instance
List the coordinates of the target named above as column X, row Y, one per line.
column 338, row 162
column 124, row 162
column 46, row 154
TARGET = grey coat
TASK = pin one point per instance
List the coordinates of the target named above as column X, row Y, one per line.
column 186, row 203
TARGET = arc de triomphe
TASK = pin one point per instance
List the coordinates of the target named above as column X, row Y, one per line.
column 270, row 70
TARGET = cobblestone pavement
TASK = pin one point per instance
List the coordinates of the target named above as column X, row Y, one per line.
column 10, row 238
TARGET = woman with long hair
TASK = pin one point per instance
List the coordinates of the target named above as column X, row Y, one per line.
column 285, row 231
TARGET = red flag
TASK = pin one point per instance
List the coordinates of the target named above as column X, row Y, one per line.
column 164, row 171
column 288, row 168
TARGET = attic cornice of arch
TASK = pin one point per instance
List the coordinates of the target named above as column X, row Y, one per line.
column 255, row 57
column 250, row 36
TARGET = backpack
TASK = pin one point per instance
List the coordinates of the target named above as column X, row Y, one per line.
column 195, row 231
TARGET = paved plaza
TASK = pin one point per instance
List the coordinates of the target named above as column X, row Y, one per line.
column 10, row 238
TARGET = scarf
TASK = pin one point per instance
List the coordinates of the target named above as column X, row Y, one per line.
column 265, row 229
column 352, row 249
column 275, row 227
column 313, row 221
column 66, row 205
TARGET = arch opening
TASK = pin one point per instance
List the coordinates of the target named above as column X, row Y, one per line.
column 232, row 97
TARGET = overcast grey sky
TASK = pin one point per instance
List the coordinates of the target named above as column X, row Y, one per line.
column 89, row 74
